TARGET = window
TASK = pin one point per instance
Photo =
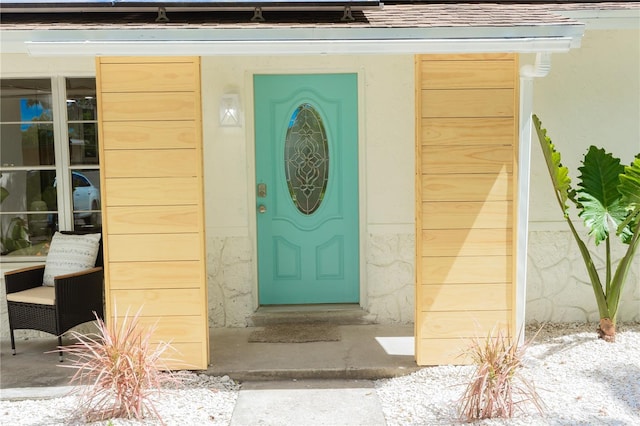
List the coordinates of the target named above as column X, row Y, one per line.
column 306, row 159
column 49, row 168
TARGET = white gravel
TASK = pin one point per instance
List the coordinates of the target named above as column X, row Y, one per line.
column 198, row 400
column 582, row 381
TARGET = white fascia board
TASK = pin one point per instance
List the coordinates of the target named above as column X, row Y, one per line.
column 296, row 47
column 291, row 41
column 298, row 33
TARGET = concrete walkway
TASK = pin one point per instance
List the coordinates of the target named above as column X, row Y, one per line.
column 308, row 403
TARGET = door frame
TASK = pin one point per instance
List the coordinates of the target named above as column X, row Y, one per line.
column 251, row 167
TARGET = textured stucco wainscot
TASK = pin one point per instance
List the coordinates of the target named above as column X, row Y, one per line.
column 390, row 277
column 558, row 287
column 229, row 280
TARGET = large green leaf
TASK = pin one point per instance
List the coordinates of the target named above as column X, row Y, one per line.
column 559, row 174
column 630, row 184
column 598, row 195
column 630, row 189
column 600, row 219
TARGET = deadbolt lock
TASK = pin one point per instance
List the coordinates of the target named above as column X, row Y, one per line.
column 262, row 190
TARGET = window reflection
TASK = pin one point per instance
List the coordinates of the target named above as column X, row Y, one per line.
column 30, row 178
column 27, row 123
column 86, row 199
column 82, row 121
column 29, row 211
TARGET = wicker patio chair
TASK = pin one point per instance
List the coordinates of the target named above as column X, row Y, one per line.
column 76, row 296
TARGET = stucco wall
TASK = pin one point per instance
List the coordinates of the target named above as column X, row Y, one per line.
column 590, row 97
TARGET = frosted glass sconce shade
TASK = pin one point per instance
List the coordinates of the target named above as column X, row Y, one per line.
column 230, row 110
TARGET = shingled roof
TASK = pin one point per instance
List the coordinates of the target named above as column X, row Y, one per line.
column 401, row 27
column 393, row 15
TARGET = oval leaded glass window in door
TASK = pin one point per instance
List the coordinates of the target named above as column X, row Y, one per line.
column 306, row 159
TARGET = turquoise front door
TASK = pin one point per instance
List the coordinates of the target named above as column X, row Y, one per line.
column 306, row 133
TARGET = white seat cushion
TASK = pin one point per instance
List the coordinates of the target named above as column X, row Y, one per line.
column 42, row 295
column 69, row 254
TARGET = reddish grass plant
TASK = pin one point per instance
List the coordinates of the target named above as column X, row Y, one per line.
column 121, row 367
column 496, row 387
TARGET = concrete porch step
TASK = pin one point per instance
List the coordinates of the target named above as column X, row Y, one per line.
column 339, row 314
column 357, row 356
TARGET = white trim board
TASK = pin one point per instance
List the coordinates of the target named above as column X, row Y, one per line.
column 297, row 47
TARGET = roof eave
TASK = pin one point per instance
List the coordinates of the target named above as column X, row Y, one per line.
column 292, row 41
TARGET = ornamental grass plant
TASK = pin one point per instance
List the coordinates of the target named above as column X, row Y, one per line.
column 496, row 388
column 120, row 368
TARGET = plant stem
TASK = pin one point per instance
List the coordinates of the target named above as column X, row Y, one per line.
column 601, row 298
column 608, row 257
column 620, row 276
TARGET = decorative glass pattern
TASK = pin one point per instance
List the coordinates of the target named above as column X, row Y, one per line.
column 306, row 159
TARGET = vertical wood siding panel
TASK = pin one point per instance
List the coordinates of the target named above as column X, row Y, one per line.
column 151, row 154
column 466, row 149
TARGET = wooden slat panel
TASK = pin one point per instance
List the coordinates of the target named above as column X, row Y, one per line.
column 151, row 163
column 468, row 103
column 467, row 131
column 465, row 297
column 159, row 302
column 466, row 242
column 460, row 324
column 149, row 106
column 144, row 275
column 465, row 215
column 467, row 75
column 149, row 135
column 463, row 270
column 171, row 328
column 186, row 356
column 156, row 191
column 467, row 159
column 442, row 352
column 150, row 132
column 501, row 56
column 471, row 187
column 153, row 247
column 153, row 219
column 149, row 77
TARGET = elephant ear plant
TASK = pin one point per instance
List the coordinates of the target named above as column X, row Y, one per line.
column 607, row 198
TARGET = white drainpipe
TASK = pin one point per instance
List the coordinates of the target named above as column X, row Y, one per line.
column 527, row 74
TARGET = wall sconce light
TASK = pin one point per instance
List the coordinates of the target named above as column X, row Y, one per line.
column 230, row 110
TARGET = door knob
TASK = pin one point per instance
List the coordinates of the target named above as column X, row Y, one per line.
column 262, row 208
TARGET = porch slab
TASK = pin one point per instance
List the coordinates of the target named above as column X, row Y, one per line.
column 357, row 356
